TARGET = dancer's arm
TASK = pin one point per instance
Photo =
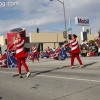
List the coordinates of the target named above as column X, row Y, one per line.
column 67, row 44
column 15, row 42
column 70, row 42
column 11, row 46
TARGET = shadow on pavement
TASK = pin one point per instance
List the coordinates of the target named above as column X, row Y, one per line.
column 40, row 72
column 86, row 65
column 35, row 73
column 0, row 98
column 47, row 71
column 23, row 74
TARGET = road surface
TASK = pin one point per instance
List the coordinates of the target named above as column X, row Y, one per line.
column 53, row 80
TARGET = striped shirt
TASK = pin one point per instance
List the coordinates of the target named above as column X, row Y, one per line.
column 34, row 49
column 74, row 45
column 20, row 46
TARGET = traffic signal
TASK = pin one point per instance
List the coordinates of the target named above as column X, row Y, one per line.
column 65, row 34
column 37, row 30
column 84, row 36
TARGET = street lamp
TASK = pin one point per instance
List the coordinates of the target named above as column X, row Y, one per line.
column 64, row 16
column 69, row 20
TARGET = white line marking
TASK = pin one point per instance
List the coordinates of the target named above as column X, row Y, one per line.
column 8, row 72
column 77, row 79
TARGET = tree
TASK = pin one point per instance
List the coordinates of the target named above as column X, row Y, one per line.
column 99, row 32
column 87, row 30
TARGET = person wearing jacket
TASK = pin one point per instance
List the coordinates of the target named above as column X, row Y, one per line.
column 20, row 54
column 75, row 50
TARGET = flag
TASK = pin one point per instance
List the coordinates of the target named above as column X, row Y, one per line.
column 3, row 61
column 55, row 56
column 11, row 61
column 62, row 55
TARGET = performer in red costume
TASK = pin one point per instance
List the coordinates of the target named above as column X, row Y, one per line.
column 30, row 57
column 58, row 49
column 48, row 51
column 20, row 54
column 56, row 54
column 75, row 50
column 35, row 53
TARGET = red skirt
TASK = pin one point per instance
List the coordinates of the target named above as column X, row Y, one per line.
column 21, row 54
column 35, row 53
column 77, row 50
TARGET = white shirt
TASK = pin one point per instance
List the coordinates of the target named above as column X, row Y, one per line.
column 98, row 49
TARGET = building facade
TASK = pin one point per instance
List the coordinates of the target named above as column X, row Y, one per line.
column 54, row 39
column 44, row 39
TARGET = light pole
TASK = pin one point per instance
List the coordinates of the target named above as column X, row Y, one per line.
column 69, row 19
column 64, row 16
column 69, row 22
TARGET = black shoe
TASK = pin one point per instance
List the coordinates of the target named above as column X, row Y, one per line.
column 20, row 76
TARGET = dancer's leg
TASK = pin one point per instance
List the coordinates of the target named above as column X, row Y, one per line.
column 24, row 63
column 78, row 58
column 36, row 56
column 19, row 65
column 72, row 59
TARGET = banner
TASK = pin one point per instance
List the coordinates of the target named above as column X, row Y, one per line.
column 3, row 61
column 60, row 55
column 11, row 61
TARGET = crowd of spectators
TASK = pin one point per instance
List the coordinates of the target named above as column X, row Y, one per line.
column 47, row 52
column 90, row 49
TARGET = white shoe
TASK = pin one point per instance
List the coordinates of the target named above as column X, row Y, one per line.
column 72, row 67
column 28, row 74
column 82, row 66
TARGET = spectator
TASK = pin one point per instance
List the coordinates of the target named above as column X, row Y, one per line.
column 84, row 50
column 48, row 52
column 88, row 54
column 53, row 49
column 98, row 49
column 93, row 53
column 45, row 54
column 98, row 40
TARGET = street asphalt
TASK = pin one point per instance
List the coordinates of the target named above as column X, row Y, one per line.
column 53, row 80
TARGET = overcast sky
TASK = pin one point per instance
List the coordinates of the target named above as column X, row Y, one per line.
column 32, row 14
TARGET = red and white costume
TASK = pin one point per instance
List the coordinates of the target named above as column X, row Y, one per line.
column 35, row 53
column 56, row 54
column 75, row 51
column 30, row 57
column 3, row 61
column 20, row 54
column 48, row 52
